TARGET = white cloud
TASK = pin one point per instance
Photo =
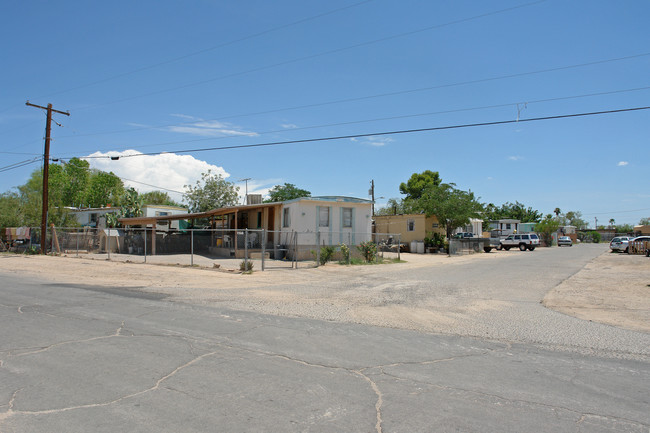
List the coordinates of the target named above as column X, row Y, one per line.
column 289, row 126
column 167, row 170
column 208, row 128
column 373, row 140
column 515, row 158
column 622, row 163
column 184, row 116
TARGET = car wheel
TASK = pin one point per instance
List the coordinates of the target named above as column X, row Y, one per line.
column 531, row 248
column 647, row 252
column 522, row 247
column 506, row 248
column 626, row 250
column 487, row 249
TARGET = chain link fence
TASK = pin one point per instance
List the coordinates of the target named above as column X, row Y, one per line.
column 230, row 249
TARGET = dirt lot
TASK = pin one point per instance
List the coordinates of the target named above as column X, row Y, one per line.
column 612, row 289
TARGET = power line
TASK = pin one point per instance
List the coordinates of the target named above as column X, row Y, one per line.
column 405, row 116
column 205, row 50
column 153, row 186
column 382, row 133
column 617, row 212
column 311, row 56
column 396, row 93
column 20, row 164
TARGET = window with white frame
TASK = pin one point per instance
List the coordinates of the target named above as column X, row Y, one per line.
column 324, row 216
column 286, row 217
column 410, row 225
column 347, row 217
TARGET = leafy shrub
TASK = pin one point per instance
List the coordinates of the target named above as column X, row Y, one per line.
column 326, row 253
column 589, row 237
column 368, row 251
column 345, row 253
column 246, row 266
column 595, row 237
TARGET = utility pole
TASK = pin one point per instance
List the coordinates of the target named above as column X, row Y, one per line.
column 372, row 194
column 46, row 169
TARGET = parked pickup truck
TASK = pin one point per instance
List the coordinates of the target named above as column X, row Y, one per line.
column 524, row 242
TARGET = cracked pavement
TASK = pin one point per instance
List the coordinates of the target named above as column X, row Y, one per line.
column 92, row 359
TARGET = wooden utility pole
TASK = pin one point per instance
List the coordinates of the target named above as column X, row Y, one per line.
column 46, row 169
column 372, row 193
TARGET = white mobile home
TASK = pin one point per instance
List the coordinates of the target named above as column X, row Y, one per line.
column 331, row 219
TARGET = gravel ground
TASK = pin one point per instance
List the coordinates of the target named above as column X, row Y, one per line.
column 560, row 298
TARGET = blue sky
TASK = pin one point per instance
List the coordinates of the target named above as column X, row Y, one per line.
column 165, row 76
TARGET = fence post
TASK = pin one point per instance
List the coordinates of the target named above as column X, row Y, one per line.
column 263, row 247
column 192, row 248
column 399, row 246
column 145, row 244
column 295, row 249
column 77, row 242
column 245, row 249
column 349, row 246
column 108, row 243
column 317, row 248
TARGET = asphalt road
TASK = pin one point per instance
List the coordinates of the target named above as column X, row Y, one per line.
column 81, row 358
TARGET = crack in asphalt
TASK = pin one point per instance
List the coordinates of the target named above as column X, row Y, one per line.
column 359, row 372
column 520, row 401
column 10, row 412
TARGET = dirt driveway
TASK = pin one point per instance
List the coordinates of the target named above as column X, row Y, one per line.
column 611, row 289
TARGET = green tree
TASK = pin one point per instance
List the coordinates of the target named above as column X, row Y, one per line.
column 573, row 218
column 285, row 192
column 158, row 197
column 396, row 206
column 104, row 189
column 624, row 228
column 10, row 214
column 508, row 210
column 130, row 204
column 77, row 177
column 211, row 192
column 31, row 199
column 418, row 183
column 546, row 228
column 130, row 207
column 453, row 207
column 644, row 222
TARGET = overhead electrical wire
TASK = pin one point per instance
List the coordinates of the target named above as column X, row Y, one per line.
column 308, row 57
column 20, row 164
column 379, row 133
column 396, row 93
column 405, row 116
column 196, row 53
column 205, row 50
column 153, row 186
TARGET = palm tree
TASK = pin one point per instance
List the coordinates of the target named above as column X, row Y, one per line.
column 611, row 223
column 557, row 211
